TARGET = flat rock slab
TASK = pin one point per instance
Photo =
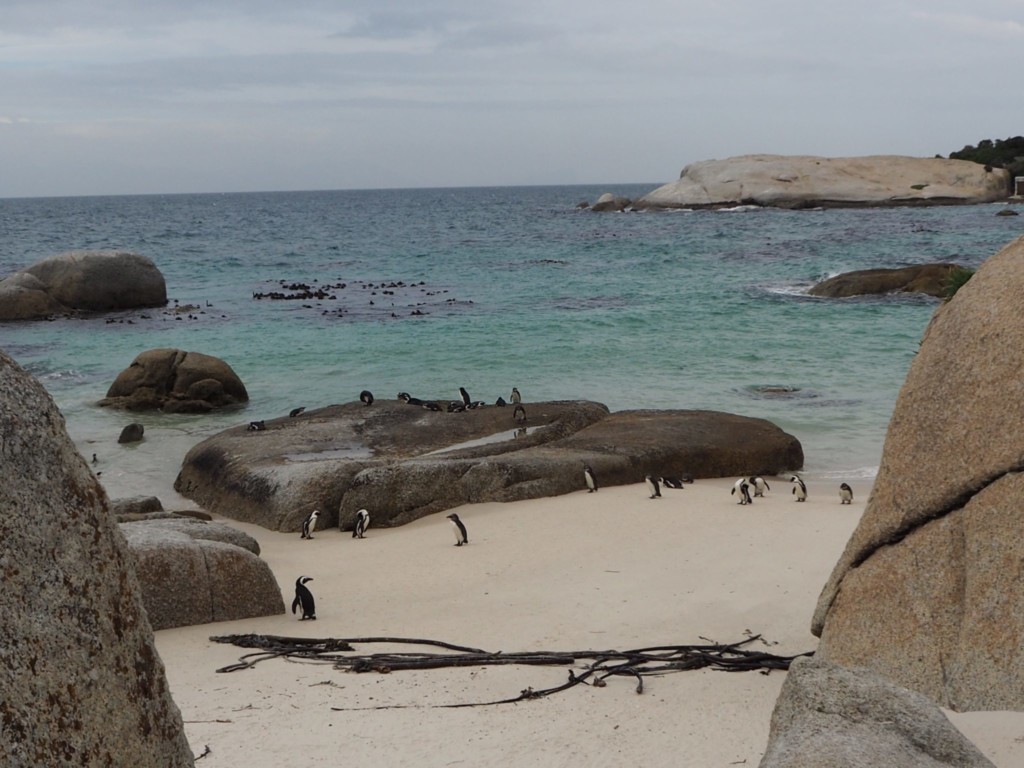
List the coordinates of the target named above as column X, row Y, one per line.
column 403, row 462
column 929, row 279
column 801, row 181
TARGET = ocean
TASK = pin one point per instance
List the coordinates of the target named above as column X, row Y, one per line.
column 427, row 290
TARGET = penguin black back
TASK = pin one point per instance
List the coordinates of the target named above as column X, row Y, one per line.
column 461, row 537
column 366, row 396
column 304, row 599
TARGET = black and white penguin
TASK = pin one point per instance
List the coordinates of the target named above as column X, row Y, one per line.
column 366, row 397
column 295, row 412
column 590, row 477
column 673, row 482
column 408, row 399
column 515, row 398
column 309, row 524
column 845, row 494
column 742, row 487
column 799, row 489
column 304, row 599
column 461, row 537
column 362, row 523
column 456, row 406
column 257, row 426
column 465, row 396
column 760, row 485
column 94, row 459
column 519, row 414
column 500, row 402
column 653, row 486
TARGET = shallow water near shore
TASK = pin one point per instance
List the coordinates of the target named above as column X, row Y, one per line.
column 425, row 291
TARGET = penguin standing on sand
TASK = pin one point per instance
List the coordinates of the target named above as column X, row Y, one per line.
column 366, row 396
column 800, row 489
column 760, row 485
column 309, row 524
column 742, row 487
column 845, row 494
column 590, row 477
column 362, row 523
column 466, row 401
column 461, row 537
column 653, row 487
column 519, row 414
column 304, row 599
column 515, row 398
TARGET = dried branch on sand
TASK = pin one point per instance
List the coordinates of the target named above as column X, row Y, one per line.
column 596, row 665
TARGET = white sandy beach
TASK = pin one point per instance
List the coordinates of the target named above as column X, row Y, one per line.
column 611, row 570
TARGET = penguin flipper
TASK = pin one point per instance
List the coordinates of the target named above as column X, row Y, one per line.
column 295, row 605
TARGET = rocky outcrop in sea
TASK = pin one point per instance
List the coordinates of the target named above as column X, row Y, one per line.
column 82, row 281
column 930, row 279
column 794, row 181
column 175, row 381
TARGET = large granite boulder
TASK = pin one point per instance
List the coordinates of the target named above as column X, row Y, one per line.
column 786, row 181
column 176, row 381
column 404, row 462
column 929, row 590
column 829, row 716
column 191, row 574
column 81, row 680
column 930, row 279
column 82, row 281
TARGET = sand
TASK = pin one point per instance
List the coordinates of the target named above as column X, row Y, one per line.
column 609, row 570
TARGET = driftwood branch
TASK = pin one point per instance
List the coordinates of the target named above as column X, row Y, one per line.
column 597, row 666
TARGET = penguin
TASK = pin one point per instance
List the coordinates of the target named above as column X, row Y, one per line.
column 500, row 402
column 366, row 396
column 256, row 426
column 845, row 494
column 408, row 399
column 465, row 396
column 362, row 523
column 304, row 598
column 800, row 489
column 309, row 524
column 94, row 459
column 519, row 414
column 515, row 398
column 653, row 486
column 673, row 482
column 590, row 477
column 760, row 485
column 295, row 412
column 742, row 487
column 430, row 405
column 461, row 537
column 456, row 406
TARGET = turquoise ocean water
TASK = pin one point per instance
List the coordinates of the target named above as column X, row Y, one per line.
column 490, row 288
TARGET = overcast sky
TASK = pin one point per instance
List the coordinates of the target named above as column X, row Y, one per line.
column 150, row 96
